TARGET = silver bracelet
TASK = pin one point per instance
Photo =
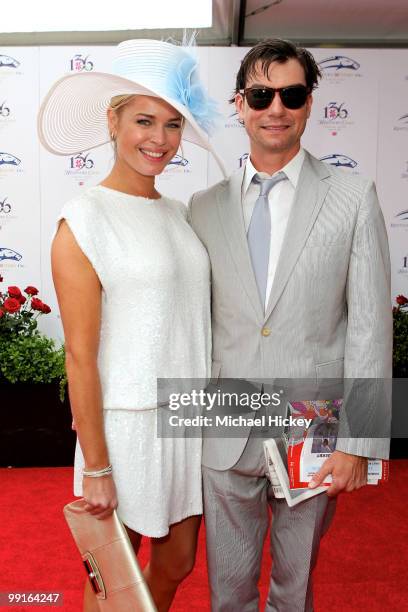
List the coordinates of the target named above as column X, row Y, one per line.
column 98, row 473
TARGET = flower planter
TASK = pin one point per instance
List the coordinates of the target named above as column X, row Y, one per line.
column 35, row 426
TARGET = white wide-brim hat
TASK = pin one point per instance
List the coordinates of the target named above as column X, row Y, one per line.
column 73, row 116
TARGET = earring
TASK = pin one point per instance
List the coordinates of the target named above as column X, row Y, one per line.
column 112, row 136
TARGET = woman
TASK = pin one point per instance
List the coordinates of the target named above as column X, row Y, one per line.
column 132, row 281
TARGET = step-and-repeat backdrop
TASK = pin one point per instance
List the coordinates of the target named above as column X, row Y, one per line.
column 359, row 123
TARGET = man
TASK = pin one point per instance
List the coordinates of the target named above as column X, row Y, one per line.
column 300, row 290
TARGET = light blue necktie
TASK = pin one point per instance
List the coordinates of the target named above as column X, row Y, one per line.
column 259, row 232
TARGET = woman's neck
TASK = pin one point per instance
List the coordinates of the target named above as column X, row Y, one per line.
column 131, row 182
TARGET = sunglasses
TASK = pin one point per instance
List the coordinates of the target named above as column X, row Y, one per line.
column 259, row 98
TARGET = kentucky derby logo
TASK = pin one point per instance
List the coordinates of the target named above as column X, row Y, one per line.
column 339, row 160
column 79, row 63
column 334, row 111
column 336, row 117
column 338, row 62
column 402, row 123
column 4, row 110
column 8, row 159
column 403, row 215
column 401, row 219
column 403, row 269
column 5, row 207
column 6, row 253
column 81, row 168
column 177, row 165
column 338, row 68
column 81, row 162
column 234, row 121
column 178, row 160
column 8, row 62
column 242, row 160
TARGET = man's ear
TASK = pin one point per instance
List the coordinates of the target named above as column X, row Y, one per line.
column 239, row 105
column 309, row 103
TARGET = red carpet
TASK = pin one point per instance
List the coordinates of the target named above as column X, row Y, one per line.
column 362, row 564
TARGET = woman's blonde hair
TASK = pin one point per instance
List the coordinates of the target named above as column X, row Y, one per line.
column 120, row 101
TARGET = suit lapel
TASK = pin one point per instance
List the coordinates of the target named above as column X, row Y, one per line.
column 309, row 196
column 230, row 211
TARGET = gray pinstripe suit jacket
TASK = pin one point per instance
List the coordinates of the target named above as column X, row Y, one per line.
column 329, row 310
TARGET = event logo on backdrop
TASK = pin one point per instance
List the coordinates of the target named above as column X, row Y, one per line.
column 6, row 115
column 339, row 68
column 339, row 160
column 81, row 168
column 4, row 110
column 9, row 164
column 9, row 65
column 242, row 160
column 233, row 121
column 403, row 267
column 81, row 63
column 9, row 258
column 402, row 123
column 177, row 165
column 401, row 220
column 335, row 117
column 6, row 211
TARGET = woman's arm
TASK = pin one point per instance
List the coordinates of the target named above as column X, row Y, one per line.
column 79, row 296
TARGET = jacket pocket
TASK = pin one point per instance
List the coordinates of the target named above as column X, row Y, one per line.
column 330, row 369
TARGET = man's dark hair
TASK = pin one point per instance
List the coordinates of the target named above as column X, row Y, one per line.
column 276, row 50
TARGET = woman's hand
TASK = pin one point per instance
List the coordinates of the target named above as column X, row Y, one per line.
column 100, row 496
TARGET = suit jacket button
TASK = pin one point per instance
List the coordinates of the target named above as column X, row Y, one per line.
column 266, row 332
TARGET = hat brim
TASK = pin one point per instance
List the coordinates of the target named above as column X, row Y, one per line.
column 73, row 116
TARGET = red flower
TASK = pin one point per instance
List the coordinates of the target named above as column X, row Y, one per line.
column 11, row 305
column 1, row 278
column 37, row 304
column 31, row 290
column 22, row 299
column 14, row 292
column 401, row 300
column 1, row 313
column 46, row 309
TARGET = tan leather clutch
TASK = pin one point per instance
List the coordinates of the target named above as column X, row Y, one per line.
column 109, row 560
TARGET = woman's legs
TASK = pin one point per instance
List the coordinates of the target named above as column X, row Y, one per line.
column 171, row 560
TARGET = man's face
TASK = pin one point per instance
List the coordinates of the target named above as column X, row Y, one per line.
column 276, row 129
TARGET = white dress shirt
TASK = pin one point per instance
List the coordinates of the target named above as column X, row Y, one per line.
column 280, row 204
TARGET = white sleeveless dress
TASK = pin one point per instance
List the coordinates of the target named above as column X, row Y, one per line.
column 155, row 322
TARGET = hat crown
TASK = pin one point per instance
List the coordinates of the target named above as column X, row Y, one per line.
column 151, row 62
column 170, row 71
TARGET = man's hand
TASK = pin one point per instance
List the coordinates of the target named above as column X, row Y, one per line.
column 348, row 472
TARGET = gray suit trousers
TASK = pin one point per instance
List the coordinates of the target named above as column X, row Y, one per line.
column 237, row 517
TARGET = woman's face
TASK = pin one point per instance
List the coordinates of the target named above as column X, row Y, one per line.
column 147, row 132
